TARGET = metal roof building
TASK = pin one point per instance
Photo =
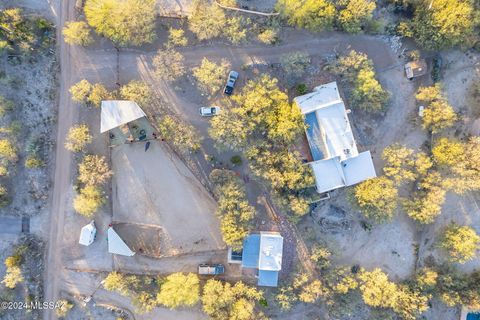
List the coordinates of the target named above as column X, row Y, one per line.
column 119, row 112
column 336, row 161
column 264, row 252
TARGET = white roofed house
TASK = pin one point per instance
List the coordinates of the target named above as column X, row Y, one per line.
column 336, row 160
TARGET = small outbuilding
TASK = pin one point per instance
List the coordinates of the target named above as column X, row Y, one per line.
column 416, row 68
column 116, row 245
column 87, row 234
column 264, row 251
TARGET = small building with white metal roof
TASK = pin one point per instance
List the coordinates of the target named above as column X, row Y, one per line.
column 264, row 252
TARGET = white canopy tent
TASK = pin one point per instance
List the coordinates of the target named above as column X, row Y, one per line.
column 87, row 234
column 116, row 245
column 118, row 112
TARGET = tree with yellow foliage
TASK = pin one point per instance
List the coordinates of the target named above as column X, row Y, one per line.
column 315, row 15
column 77, row 33
column 376, row 198
column 427, row 201
column 89, row 200
column 126, row 22
column 355, row 14
column 443, row 23
column 460, row 243
column 438, row 114
column 78, row 138
column 210, row 75
column 179, row 290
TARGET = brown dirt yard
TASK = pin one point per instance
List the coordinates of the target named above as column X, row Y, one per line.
column 155, row 188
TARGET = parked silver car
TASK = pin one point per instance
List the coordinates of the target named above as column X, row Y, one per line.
column 209, row 111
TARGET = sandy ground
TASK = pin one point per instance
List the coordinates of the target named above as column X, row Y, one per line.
column 388, row 246
column 155, row 188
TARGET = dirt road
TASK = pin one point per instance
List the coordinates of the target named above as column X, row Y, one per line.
column 63, row 160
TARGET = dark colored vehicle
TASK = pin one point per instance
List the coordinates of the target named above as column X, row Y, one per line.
column 232, row 78
column 211, row 269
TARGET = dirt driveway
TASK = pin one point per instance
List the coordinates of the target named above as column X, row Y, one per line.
column 156, row 188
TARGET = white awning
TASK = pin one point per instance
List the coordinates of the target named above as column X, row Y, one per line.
column 87, row 234
column 116, row 245
column 118, row 112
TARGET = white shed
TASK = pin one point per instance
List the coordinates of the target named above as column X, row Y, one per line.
column 87, row 234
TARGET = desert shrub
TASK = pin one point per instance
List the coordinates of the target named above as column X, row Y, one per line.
column 64, row 309
column 210, row 75
column 460, row 243
column 5, row 106
column 442, row 24
column 169, row 65
column 179, row 290
column 236, row 160
column 77, row 33
column 80, row 91
column 8, row 151
column 222, row 301
column 376, row 198
column 295, row 64
column 207, row 20
column 33, row 161
column 403, row 164
column 438, row 114
column 78, row 138
column 121, row 283
column 367, row 93
column 268, row 36
column 182, row 135
column 4, row 198
column 315, row 15
column 236, row 29
column 176, row 38
column 235, row 212
column 356, row 14
column 127, row 22
column 137, row 91
column 98, row 93
column 94, row 170
column 89, row 200
column 427, row 200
